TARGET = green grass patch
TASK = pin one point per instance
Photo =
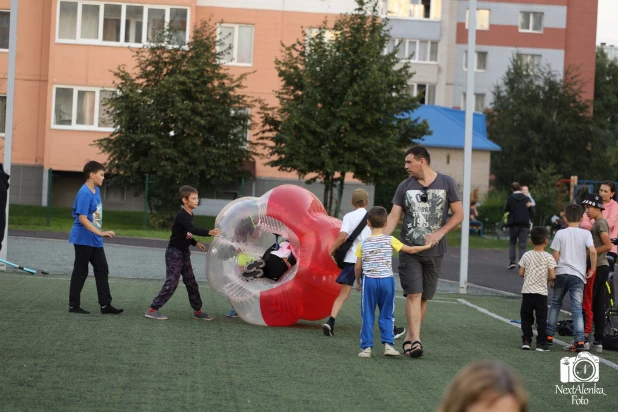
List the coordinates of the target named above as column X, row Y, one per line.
column 53, row 360
column 124, row 223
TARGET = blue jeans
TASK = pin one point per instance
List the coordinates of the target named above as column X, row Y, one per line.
column 575, row 286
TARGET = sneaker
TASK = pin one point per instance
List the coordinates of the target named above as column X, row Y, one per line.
column 231, row 314
column 77, row 309
column 256, row 264
column 109, row 309
column 329, row 327
column 512, row 265
column 525, row 345
column 542, row 348
column 586, row 345
column 596, row 347
column 550, row 341
column 253, row 274
column 366, row 353
column 399, row 332
column 154, row 314
column 575, row 347
column 388, row 350
column 198, row 314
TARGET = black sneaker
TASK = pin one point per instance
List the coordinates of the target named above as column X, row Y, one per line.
column 525, row 345
column 550, row 341
column 512, row 265
column 77, row 309
column 253, row 274
column 542, row 348
column 105, row 309
column 399, row 332
column 329, row 327
column 575, row 347
column 256, row 264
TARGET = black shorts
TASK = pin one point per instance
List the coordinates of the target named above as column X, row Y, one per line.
column 419, row 274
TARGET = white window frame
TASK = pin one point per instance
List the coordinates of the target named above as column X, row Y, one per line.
column 414, row 58
column 236, row 26
column 463, row 101
column 7, row 49
column 123, row 14
column 74, row 125
column 415, row 88
column 476, row 61
column 529, row 29
column 478, row 11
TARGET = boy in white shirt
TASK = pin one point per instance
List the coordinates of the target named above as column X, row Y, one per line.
column 374, row 259
column 536, row 267
column 569, row 247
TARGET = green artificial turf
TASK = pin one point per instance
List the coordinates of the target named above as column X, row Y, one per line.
column 51, row 360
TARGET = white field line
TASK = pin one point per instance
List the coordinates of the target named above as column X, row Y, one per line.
column 508, row 322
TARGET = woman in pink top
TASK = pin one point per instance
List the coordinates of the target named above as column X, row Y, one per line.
column 608, row 193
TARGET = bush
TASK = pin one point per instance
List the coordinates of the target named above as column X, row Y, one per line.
column 492, row 210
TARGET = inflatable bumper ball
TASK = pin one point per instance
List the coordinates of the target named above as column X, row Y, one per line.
column 250, row 227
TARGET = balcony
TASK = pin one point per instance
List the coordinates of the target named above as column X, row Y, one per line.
column 411, row 9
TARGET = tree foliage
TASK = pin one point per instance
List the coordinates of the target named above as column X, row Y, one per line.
column 340, row 104
column 540, row 120
column 178, row 116
column 606, row 107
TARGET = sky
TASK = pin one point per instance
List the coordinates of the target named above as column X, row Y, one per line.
column 607, row 29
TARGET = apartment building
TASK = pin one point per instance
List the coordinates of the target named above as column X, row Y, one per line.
column 66, row 50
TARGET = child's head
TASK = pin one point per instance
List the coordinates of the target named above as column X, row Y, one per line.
column 360, row 198
column 94, row 171
column 539, row 235
column 593, row 204
column 377, row 217
column 188, row 196
column 573, row 213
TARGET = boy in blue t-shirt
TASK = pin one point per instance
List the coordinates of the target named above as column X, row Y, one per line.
column 87, row 238
column 374, row 260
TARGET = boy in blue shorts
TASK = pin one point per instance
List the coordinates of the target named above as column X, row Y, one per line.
column 87, row 238
column 374, row 257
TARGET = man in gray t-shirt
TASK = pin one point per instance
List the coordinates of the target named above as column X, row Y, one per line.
column 424, row 201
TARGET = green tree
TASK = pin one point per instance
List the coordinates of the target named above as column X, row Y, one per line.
column 606, row 107
column 540, row 119
column 180, row 117
column 340, row 104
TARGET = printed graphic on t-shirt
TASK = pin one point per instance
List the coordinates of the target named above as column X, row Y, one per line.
column 97, row 216
column 423, row 217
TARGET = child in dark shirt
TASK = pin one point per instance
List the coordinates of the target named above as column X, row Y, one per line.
column 178, row 258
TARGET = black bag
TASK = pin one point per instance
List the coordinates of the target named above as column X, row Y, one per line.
column 345, row 246
column 565, row 327
column 610, row 342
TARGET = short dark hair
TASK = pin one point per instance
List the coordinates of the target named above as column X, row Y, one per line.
column 92, row 167
column 573, row 213
column 419, row 152
column 377, row 216
column 538, row 235
column 186, row 191
column 515, row 186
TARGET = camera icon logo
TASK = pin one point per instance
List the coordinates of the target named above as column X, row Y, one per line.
column 582, row 368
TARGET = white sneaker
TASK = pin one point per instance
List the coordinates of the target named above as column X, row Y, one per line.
column 596, row 347
column 366, row 353
column 390, row 351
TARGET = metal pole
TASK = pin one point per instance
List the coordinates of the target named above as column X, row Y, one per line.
column 49, row 195
column 8, row 133
column 470, row 101
column 145, row 225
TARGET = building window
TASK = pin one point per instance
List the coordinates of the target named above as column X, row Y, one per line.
column 416, row 9
column 83, row 108
column 102, row 23
column 532, row 61
column 480, row 61
column 114, row 193
column 425, row 92
column 482, row 19
column 5, row 25
column 2, row 115
column 236, row 44
column 414, row 50
column 531, row 22
column 479, row 102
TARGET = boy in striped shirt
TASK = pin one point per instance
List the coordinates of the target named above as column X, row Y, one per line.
column 374, row 260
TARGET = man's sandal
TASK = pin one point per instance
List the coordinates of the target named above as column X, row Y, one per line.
column 418, row 351
column 408, row 350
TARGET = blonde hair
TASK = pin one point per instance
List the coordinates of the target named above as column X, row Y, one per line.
column 488, row 380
